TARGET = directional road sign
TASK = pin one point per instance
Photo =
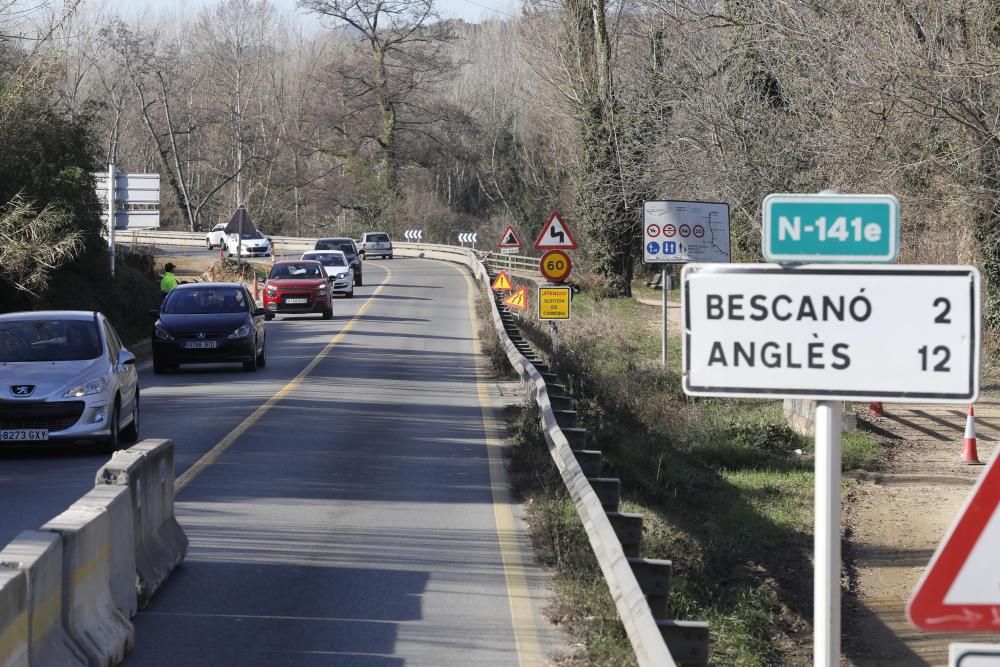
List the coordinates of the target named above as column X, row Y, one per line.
column 677, row 232
column 510, row 242
column 555, row 235
column 502, row 282
column 838, row 332
column 413, row 234
column 960, row 591
column 517, row 300
column 555, row 265
column 831, row 228
column 467, row 237
column 553, row 303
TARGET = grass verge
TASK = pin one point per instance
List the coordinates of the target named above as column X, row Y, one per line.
column 725, row 486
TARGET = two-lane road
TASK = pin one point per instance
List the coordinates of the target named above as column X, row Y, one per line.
column 346, row 505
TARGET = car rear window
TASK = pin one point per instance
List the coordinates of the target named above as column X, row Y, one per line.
column 49, row 340
column 326, row 260
column 378, row 238
column 343, row 246
column 204, row 301
column 296, row 271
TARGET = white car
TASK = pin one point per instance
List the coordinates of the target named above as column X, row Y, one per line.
column 251, row 244
column 65, row 376
column 338, row 270
column 216, row 237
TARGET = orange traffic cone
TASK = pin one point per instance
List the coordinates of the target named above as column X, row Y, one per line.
column 256, row 294
column 969, row 454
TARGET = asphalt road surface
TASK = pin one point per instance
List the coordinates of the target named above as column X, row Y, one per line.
column 346, row 505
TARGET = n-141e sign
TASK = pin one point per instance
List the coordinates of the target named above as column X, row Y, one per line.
column 831, row 228
column 832, row 333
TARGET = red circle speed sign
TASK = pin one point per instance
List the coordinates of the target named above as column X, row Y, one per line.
column 555, row 265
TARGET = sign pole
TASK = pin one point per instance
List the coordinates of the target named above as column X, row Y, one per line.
column 826, row 539
column 111, row 215
column 666, row 288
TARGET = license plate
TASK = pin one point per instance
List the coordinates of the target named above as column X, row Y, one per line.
column 23, row 434
column 296, row 300
column 200, row 344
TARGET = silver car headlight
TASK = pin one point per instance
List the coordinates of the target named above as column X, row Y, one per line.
column 86, row 388
column 342, row 275
column 162, row 333
column 242, row 332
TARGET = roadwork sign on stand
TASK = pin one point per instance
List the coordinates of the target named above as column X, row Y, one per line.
column 517, row 300
column 502, row 282
column 960, row 590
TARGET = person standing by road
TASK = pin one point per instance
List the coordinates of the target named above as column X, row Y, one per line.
column 169, row 280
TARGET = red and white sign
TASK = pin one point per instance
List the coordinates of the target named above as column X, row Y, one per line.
column 555, row 235
column 960, row 591
column 510, row 241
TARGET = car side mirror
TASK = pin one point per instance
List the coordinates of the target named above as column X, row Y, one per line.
column 259, row 312
column 126, row 358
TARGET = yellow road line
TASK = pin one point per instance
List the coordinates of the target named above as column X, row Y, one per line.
column 212, row 455
column 529, row 649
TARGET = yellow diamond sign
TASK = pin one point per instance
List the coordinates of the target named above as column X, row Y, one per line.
column 553, row 303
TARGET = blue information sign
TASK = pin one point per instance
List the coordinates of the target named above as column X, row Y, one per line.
column 830, row 228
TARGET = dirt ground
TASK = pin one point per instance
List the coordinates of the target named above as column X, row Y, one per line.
column 896, row 518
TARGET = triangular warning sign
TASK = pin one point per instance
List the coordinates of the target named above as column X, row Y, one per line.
column 502, row 282
column 509, row 239
column 518, row 300
column 959, row 592
column 555, row 235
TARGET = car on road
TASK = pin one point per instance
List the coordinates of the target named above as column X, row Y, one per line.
column 65, row 376
column 216, row 237
column 338, row 270
column 251, row 244
column 375, row 243
column 346, row 246
column 297, row 286
column 209, row 323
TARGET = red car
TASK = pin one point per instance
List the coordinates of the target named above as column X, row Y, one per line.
column 297, row 287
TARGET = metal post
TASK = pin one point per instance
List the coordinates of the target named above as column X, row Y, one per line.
column 666, row 288
column 111, row 215
column 826, row 541
column 555, row 341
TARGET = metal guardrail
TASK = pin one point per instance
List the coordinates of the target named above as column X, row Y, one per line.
column 596, row 507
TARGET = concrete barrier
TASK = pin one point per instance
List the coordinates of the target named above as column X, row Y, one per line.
column 88, row 613
column 147, row 469
column 40, row 556
column 13, row 618
column 117, row 500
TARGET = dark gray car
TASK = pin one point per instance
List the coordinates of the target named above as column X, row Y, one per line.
column 345, row 245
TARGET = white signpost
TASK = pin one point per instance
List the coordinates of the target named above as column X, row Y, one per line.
column 831, row 333
column 677, row 232
column 132, row 201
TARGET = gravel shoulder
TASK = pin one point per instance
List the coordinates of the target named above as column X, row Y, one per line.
column 894, row 520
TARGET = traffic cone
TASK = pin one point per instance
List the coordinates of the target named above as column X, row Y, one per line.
column 969, row 454
column 256, row 294
column 875, row 407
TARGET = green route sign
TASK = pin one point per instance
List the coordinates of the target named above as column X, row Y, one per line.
column 830, row 228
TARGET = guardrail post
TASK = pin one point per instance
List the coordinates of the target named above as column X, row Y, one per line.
column 565, row 418
column 576, row 437
column 687, row 640
column 589, row 460
column 654, row 577
column 608, row 490
column 628, row 528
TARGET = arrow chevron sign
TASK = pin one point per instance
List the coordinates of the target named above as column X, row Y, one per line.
column 466, row 237
column 414, row 234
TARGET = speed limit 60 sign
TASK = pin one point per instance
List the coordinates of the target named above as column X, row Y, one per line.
column 555, row 265
column 840, row 332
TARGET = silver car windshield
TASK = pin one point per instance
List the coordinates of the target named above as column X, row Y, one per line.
column 49, row 340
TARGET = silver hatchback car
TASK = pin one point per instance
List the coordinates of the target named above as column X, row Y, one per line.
column 65, row 375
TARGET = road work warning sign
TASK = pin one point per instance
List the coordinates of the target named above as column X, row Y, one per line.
column 553, row 303
column 502, row 282
column 517, row 300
